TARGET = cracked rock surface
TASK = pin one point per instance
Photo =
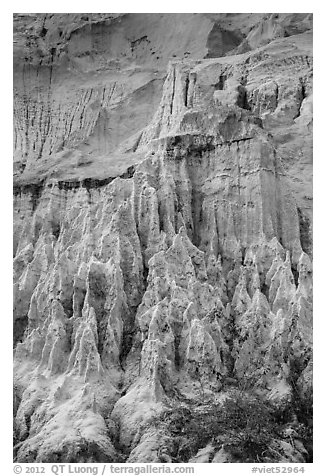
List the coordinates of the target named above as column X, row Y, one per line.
column 162, row 236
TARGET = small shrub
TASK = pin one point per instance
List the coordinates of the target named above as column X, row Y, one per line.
column 245, row 425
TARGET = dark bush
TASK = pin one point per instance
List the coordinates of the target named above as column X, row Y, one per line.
column 245, row 426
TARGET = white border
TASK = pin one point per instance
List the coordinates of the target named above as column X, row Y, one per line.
column 318, row 467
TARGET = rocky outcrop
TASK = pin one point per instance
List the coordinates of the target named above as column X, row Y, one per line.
column 179, row 269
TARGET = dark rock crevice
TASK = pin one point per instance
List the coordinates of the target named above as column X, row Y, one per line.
column 20, row 325
column 220, row 41
column 305, row 232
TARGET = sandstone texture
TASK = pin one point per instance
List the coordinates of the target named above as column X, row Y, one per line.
column 162, row 235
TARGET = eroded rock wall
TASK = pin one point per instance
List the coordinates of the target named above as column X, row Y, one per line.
column 175, row 277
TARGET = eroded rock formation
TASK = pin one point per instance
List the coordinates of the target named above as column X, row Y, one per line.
column 162, row 236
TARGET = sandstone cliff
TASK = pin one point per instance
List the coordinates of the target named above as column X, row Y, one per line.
column 162, row 233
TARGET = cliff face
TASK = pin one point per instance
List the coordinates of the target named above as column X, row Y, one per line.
column 162, row 231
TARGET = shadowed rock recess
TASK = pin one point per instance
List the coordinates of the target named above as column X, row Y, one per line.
column 163, row 238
